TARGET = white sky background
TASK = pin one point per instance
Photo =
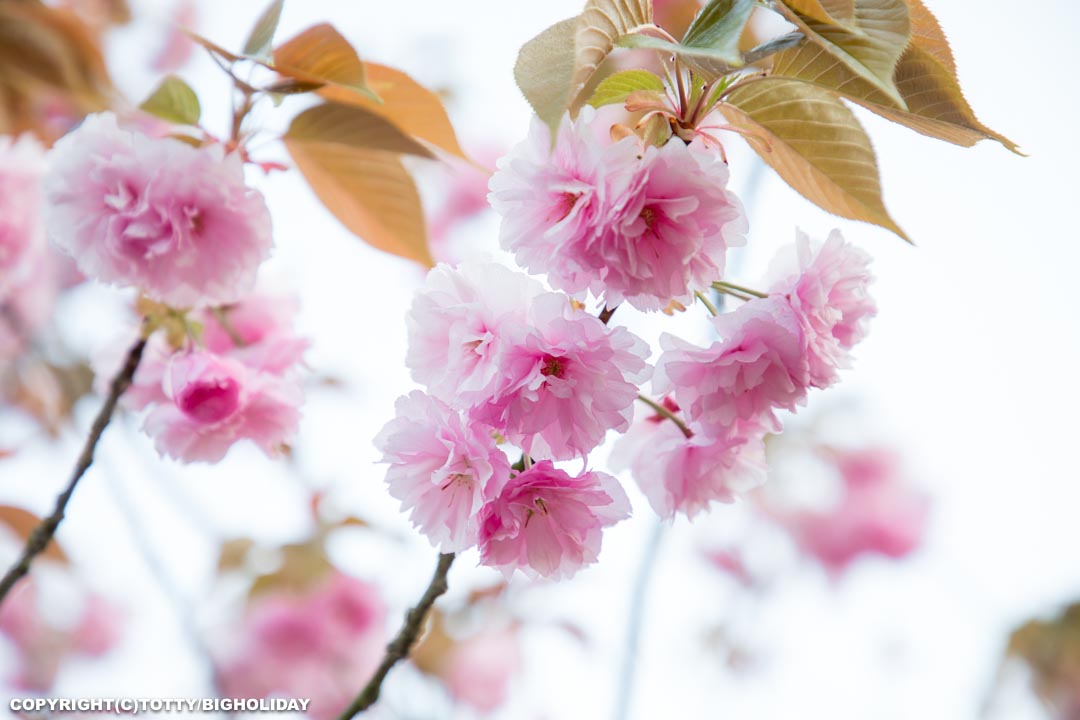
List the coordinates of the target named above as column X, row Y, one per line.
column 969, row 369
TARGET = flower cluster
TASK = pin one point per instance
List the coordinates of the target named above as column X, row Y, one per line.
column 624, row 220
column 879, row 512
column 770, row 352
column 503, row 359
column 178, row 223
column 318, row 644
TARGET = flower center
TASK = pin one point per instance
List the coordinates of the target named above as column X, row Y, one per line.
column 210, row 401
column 553, row 367
column 649, row 216
column 566, row 204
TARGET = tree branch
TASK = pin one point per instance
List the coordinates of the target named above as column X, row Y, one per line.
column 43, row 534
column 400, row 646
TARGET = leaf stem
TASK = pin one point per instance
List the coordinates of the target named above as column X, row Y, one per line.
column 402, row 644
column 43, row 534
column 724, row 286
column 665, row 413
column 705, row 301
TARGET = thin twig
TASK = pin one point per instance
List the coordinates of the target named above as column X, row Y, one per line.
column 606, row 313
column 399, row 647
column 636, row 620
column 43, row 534
column 664, row 412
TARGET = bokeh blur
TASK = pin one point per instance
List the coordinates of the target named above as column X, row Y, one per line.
column 916, row 516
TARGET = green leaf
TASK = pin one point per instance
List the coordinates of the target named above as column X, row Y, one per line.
column 615, row 88
column 321, row 54
column 711, row 44
column 545, row 68
column 718, row 27
column 262, row 35
column 814, row 143
column 175, row 101
column 869, row 44
column 350, row 156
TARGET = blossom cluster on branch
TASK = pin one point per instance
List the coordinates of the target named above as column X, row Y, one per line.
column 506, row 362
column 617, row 199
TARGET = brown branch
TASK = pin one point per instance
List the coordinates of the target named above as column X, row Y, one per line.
column 43, row 534
column 606, row 313
column 399, row 647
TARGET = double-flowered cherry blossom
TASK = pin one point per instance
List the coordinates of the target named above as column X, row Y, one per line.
column 757, row 365
column 504, row 359
column 529, row 363
column 572, row 380
column 829, row 292
column 879, row 512
column 240, row 380
column 681, row 474
column 214, row 401
column 624, row 220
column 176, row 221
column 548, row 523
column 771, row 350
column 460, row 325
column 441, row 467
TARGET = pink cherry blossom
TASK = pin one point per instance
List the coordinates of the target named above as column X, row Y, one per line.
column 547, row 523
column 263, row 323
column 687, row 474
column 174, row 220
column 214, row 402
column 322, row 645
column 42, row 646
column 22, row 229
column 668, row 226
column 550, row 197
column 829, row 293
column 441, row 464
column 574, row 379
column 641, row 224
column 459, row 325
column 479, row 669
column 879, row 513
column 758, row 364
